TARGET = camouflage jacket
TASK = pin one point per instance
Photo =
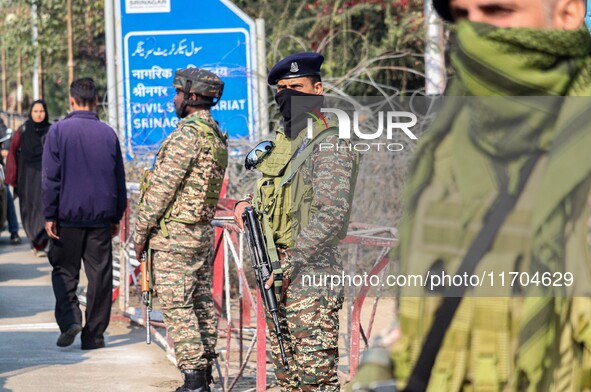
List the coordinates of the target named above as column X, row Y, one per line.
column 331, row 174
column 185, row 152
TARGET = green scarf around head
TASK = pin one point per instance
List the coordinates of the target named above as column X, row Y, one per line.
column 508, row 63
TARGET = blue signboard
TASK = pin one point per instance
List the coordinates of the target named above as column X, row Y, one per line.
column 157, row 37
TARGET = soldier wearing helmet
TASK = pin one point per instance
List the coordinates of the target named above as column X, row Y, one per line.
column 178, row 201
column 196, row 87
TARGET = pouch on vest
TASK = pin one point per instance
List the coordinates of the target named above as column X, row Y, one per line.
column 283, row 194
column 272, row 201
column 274, row 205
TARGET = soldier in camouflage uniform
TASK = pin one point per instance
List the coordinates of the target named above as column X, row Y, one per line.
column 176, row 207
column 307, row 216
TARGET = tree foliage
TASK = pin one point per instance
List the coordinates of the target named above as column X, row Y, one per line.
column 88, row 39
column 369, row 45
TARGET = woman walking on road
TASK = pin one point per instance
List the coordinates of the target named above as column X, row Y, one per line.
column 23, row 172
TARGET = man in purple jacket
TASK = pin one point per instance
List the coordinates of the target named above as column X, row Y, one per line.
column 84, row 197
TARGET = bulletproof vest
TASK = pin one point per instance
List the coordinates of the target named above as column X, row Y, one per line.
column 195, row 200
column 270, row 199
column 478, row 343
column 288, row 207
column 197, row 197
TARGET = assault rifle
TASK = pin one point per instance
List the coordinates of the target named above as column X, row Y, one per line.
column 147, row 289
column 261, row 263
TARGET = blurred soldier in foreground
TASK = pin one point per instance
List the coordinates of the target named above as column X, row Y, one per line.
column 305, row 213
column 478, row 157
column 178, row 202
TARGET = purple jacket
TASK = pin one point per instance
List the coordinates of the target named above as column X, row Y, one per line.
column 83, row 178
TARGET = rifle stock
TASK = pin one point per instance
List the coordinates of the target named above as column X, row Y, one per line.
column 261, row 264
column 147, row 290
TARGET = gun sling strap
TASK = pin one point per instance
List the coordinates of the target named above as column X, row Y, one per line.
column 494, row 218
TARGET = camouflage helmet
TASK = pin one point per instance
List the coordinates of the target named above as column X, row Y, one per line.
column 203, row 82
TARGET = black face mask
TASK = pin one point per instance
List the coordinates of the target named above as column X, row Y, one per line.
column 295, row 116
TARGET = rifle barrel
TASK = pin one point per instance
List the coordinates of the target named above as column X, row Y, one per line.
column 261, row 263
column 148, row 324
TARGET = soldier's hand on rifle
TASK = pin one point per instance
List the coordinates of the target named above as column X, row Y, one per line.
column 139, row 250
column 269, row 282
column 239, row 208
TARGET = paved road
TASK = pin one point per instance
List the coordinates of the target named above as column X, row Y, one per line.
column 31, row 361
column 29, row 357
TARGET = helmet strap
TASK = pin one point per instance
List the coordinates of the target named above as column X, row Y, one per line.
column 192, row 102
column 200, row 102
column 181, row 111
column 188, row 88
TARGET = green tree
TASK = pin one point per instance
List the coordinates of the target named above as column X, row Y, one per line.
column 89, row 45
column 369, row 45
column 372, row 47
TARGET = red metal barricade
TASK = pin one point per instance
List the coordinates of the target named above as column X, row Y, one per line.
column 228, row 246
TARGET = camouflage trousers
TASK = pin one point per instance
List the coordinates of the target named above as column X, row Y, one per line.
column 309, row 319
column 183, row 283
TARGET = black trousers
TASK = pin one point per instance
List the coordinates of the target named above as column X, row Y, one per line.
column 93, row 246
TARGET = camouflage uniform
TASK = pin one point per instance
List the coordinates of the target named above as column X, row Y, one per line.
column 310, row 323
column 184, row 289
column 184, row 186
column 310, row 314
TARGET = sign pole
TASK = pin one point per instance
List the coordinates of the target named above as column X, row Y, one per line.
column 111, row 71
column 434, row 56
column 262, row 130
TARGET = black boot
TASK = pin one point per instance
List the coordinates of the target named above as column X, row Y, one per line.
column 195, row 381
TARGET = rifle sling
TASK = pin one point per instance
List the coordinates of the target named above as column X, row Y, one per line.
column 296, row 162
column 494, row 218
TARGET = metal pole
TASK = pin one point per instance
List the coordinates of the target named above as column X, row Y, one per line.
column 4, row 92
column 261, row 373
column 263, row 117
column 124, row 270
column 435, row 79
column 19, row 84
column 118, row 50
column 34, row 34
column 70, row 42
column 111, row 70
column 228, row 314
column 40, row 73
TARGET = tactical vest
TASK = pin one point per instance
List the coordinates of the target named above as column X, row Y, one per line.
column 196, row 199
column 478, row 352
column 282, row 195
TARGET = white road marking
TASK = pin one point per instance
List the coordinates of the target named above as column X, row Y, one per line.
column 29, row 327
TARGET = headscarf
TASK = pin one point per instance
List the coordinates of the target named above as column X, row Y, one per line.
column 33, row 136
